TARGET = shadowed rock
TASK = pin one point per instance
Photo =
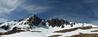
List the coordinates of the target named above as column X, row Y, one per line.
column 5, row 27
column 54, row 35
column 15, row 30
column 56, row 22
column 59, row 23
column 34, row 20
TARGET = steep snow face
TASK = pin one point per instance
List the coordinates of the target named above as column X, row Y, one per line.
column 7, row 26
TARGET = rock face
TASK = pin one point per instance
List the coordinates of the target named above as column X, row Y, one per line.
column 56, row 22
column 5, row 27
column 34, row 20
column 59, row 22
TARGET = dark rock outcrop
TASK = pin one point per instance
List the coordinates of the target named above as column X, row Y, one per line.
column 34, row 20
column 56, row 22
column 59, row 22
column 5, row 27
column 15, row 30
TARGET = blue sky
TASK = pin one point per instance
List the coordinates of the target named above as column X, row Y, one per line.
column 73, row 10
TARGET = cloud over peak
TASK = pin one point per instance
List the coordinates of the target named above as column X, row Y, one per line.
column 35, row 9
column 6, row 6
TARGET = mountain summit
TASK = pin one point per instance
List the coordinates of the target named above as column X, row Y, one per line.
column 53, row 27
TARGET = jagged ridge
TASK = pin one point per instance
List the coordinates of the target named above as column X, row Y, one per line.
column 36, row 21
column 32, row 22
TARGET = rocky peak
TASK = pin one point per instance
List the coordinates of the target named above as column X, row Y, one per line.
column 35, row 20
column 59, row 22
column 56, row 22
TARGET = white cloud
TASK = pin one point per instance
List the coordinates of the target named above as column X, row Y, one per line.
column 3, row 19
column 6, row 6
column 35, row 9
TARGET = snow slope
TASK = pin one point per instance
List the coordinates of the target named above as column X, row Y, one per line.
column 41, row 31
column 50, row 31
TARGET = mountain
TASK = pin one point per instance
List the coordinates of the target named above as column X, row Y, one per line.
column 34, row 26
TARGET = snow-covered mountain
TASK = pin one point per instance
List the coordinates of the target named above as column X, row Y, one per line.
column 34, row 26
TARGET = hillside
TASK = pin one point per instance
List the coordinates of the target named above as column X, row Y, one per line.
column 34, row 26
